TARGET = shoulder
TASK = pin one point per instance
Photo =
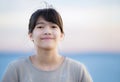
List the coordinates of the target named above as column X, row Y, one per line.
column 75, row 63
column 19, row 62
column 15, row 67
column 78, row 70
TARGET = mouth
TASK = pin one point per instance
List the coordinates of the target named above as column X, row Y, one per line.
column 47, row 38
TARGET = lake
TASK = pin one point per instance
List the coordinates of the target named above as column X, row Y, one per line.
column 103, row 66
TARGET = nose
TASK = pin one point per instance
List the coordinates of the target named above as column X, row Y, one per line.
column 47, row 30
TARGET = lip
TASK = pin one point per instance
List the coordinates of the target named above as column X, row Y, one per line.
column 47, row 38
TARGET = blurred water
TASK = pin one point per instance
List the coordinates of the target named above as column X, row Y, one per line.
column 103, row 67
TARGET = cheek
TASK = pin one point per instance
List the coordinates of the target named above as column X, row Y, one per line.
column 36, row 34
column 58, row 35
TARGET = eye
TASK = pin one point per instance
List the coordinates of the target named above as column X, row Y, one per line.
column 54, row 26
column 40, row 27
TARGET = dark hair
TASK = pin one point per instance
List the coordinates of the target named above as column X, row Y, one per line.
column 49, row 14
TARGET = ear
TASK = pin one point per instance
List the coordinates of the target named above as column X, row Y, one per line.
column 30, row 36
column 61, row 36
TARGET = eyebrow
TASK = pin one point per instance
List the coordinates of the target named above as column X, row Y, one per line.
column 40, row 23
column 44, row 23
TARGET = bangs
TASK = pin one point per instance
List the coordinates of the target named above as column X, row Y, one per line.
column 49, row 14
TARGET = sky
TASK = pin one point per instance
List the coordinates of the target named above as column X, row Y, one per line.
column 89, row 25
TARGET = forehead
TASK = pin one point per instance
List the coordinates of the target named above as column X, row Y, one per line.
column 41, row 20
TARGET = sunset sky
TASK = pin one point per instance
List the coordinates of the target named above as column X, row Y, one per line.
column 90, row 25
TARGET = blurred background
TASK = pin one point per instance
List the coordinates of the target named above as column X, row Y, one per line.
column 92, row 33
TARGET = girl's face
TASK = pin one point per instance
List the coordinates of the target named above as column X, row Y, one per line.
column 46, row 35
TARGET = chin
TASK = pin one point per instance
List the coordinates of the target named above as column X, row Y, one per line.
column 48, row 47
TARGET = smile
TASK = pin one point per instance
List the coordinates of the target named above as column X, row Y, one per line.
column 47, row 38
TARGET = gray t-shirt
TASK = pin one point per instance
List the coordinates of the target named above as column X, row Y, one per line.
column 23, row 70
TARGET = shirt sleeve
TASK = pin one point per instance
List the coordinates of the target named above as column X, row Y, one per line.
column 86, row 77
column 10, row 74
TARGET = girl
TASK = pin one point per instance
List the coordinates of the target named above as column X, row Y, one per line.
column 46, row 65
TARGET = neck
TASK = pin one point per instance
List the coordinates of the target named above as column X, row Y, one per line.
column 47, row 57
